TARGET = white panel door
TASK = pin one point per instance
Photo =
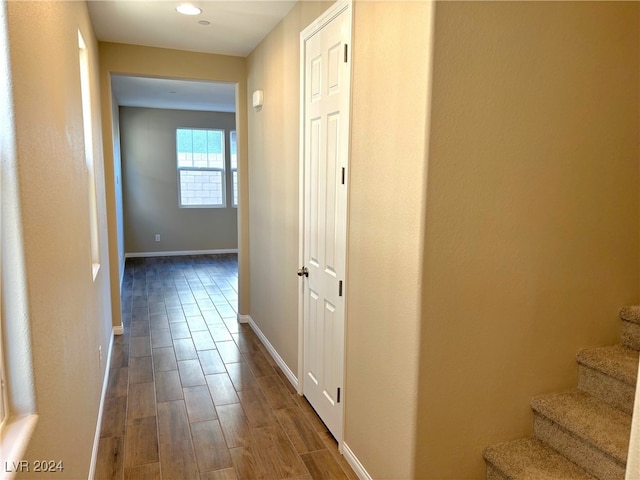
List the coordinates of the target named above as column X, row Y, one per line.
column 325, row 148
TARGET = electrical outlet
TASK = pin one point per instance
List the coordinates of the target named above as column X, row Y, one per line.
column 157, row 237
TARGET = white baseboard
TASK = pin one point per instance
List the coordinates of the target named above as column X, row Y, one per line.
column 274, row 353
column 179, row 253
column 344, row 448
column 354, row 462
column 118, row 330
column 96, row 438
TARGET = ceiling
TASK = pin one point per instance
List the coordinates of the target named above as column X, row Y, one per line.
column 173, row 94
column 236, row 28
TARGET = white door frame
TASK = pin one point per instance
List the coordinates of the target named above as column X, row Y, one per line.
column 332, row 12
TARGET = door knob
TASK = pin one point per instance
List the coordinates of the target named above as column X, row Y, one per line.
column 303, row 271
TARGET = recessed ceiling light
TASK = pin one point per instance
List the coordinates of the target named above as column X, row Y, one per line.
column 204, row 22
column 188, row 9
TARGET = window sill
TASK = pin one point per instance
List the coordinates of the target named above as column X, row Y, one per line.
column 15, row 439
column 202, row 206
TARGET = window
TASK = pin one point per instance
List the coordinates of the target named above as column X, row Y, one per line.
column 85, row 92
column 201, row 167
column 233, row 147
column 17, row 396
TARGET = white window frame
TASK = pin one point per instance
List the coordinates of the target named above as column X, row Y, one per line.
column 222, row 170
column 87, row 118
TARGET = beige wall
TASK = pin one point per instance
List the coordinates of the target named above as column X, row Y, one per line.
column 69, row 313
column 387, row 189
column 633, row 460
column 385, row 241
column 165, row 63
column 532, row 238
column 274, row 67
column 150, row 185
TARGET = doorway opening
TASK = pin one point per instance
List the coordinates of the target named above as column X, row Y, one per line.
column 324, row 165
column 175, row 167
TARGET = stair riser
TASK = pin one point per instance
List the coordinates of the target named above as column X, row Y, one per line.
column 608, row 389
column 630, row 313
column 530, row 459
column 549, row 455
column 630, row 335
column 584, row 454
column 494, row 474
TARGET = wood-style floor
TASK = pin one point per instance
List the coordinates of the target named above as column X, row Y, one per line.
column 194, row 395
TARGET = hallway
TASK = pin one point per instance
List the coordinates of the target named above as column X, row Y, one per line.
column 192, row 394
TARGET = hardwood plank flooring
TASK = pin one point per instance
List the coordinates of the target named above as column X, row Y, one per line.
column 209, row 444
column 194, row 395
column 141, row 442
column 150, row 471
column 113, row 419
column 199, row 404
column 225, row 474
column 322, row 465
column 141, row 401
column 235, row 425
column 110, row 458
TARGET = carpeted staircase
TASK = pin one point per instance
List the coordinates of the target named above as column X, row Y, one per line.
column 583, row 433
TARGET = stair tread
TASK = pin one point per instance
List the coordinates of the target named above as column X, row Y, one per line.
column 616, row 361
column 531, row 459
column 588, row 418
column 630, row 313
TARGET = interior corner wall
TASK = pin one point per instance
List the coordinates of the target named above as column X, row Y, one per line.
column 633, row 459
column 176, row 64
column 532, row 233
column 150, row 185
column 113, row 183
column 119, row 208
column 274, row 68
column 69, row 312
column 386, row 221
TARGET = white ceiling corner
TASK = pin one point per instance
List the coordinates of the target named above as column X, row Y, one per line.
column 237, row 27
